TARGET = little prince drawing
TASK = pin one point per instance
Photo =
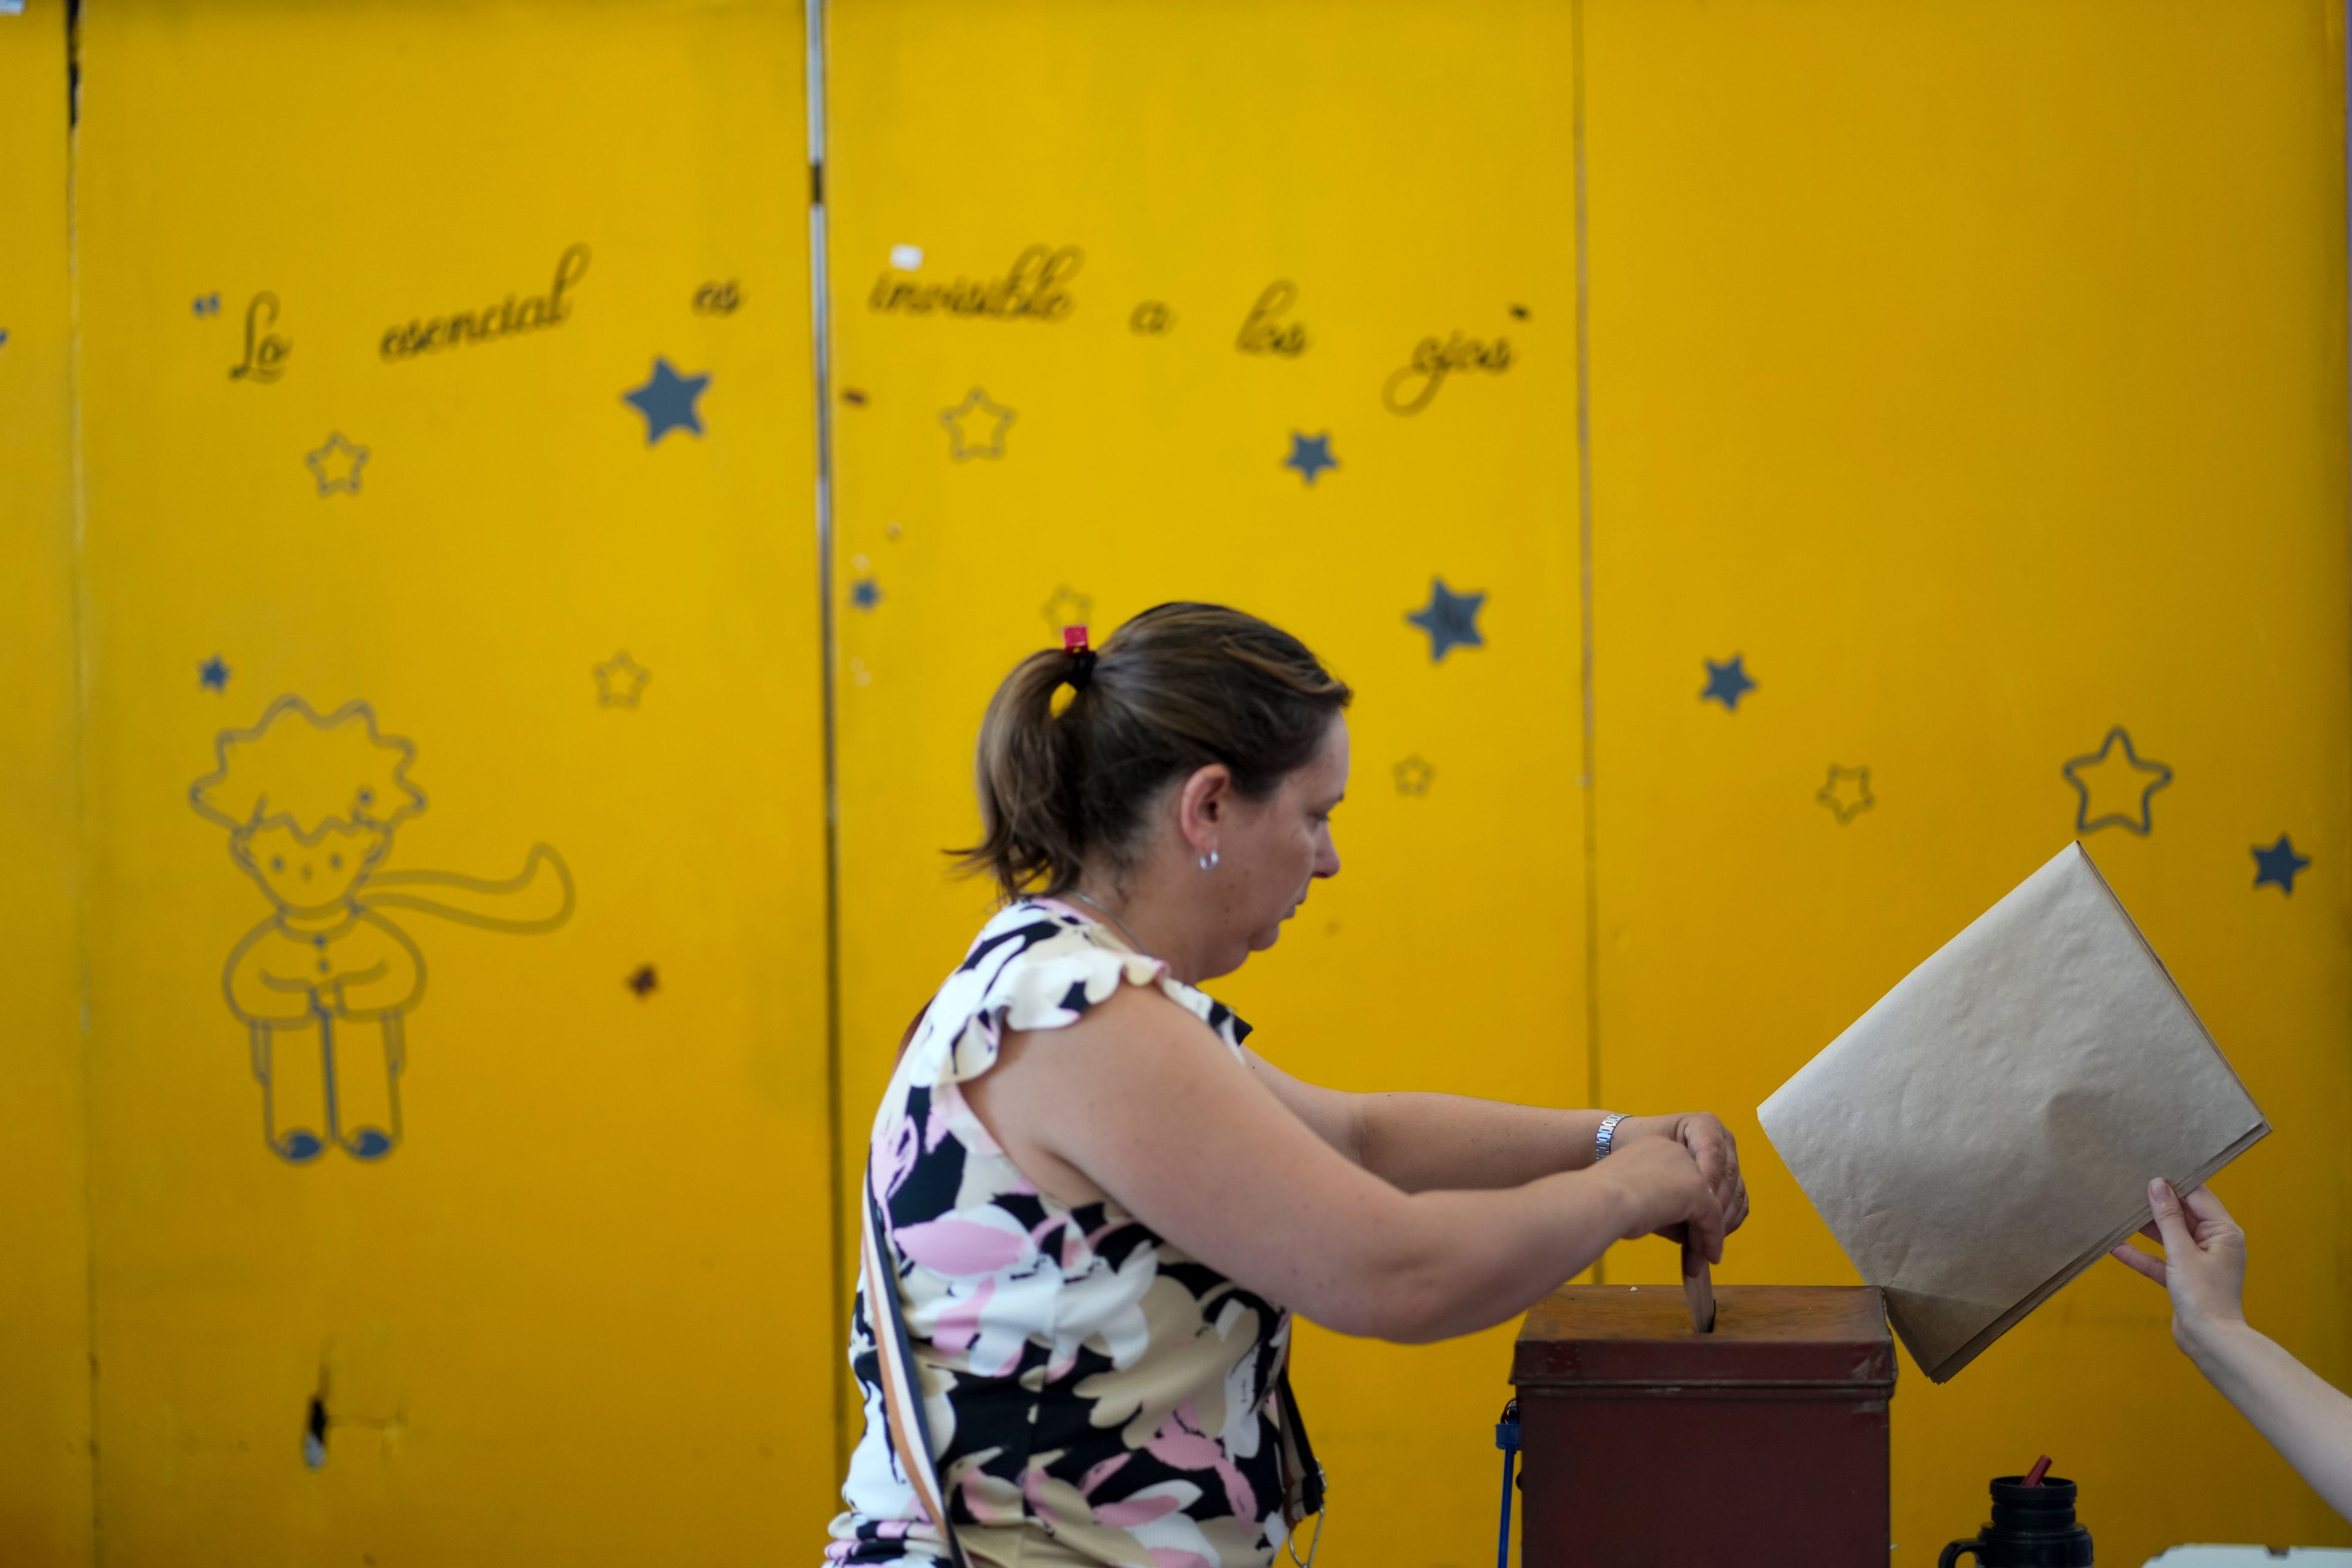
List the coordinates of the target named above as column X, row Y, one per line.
column 324, row 983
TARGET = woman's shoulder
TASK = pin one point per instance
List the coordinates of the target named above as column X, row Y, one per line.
column 1039, row 965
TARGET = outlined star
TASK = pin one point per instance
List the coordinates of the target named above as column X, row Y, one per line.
column 865, row 593
column 1847, row 792
column 1310, row 455
column 336, row 466
column 644, row 981
column 1068, row 607
column 2279, row 864
column 1413, row 776
column 668, row 400
column 621, row 680
column 966, row 419
column 1451, row 619
column 2117, row 779
column 1726, row 683
column 213, row 675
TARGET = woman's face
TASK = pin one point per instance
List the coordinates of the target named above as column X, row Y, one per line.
column 1270, row 851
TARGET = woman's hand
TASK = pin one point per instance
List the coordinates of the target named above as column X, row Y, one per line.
column 1664, row 1193
column 1709, row 1144
column 2203, row 1267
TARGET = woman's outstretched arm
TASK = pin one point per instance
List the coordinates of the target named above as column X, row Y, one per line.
column 1139, row 1100
column 1425, row 1143
column 2204, row 1268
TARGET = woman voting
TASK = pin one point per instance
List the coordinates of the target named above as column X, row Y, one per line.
column 1091, row 1209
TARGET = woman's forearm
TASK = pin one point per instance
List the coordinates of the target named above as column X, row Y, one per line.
column 2308, row 1422
column 1467, row 1260
column 1430, row 1142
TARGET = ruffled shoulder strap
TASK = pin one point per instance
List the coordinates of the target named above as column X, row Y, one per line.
column 1038, row 965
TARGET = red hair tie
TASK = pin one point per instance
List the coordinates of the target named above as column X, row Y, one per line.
column 1082, row 657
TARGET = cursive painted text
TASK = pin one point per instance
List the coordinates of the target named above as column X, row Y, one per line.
column 1263, row 332
column 1410, row 389
column 264, row 353
column 513, row 315
column 1037, row 287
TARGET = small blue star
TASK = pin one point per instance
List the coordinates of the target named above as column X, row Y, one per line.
column 2279, row 863
column 213, row 674
column 1728, row 683
column 666, row 400
column 865, row 594
column 1310, row 455
column 1451, row 619
column 2118, row 781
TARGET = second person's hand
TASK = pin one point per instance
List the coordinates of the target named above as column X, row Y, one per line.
column 2203, row 1267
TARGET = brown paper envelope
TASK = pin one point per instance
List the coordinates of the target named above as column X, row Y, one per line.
column 1698, row 1289
column 1987, row 1131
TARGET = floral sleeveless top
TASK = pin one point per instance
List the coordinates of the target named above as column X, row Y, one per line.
column 1083, row 1377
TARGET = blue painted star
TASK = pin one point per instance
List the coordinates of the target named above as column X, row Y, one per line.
column 666, row 400
column 1310, row 455
column 1728, row 683
column 2279, row 863
column 213, row 675
column 2116, row 780
column 1451, row 619
column 865, row 594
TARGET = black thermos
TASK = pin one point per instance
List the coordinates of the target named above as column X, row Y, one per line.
column 2032, row 1527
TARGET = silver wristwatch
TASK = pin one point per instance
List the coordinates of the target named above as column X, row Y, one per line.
column 1606, row 1138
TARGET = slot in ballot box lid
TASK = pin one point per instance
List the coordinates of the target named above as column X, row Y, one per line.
column 1624, row 1338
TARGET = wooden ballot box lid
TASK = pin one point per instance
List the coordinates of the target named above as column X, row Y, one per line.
column 1625, row 1338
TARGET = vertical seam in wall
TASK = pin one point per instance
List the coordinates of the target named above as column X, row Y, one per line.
column 1584, row 587
column 77, row 565
column 821, row 345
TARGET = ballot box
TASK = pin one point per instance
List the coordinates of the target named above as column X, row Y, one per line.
column 1644, row 1442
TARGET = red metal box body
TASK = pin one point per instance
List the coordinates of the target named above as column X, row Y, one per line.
column 1648, row 1444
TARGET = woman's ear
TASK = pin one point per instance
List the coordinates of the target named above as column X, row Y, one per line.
column 1201, row 806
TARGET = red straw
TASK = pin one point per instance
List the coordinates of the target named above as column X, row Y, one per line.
column 2041, row 1468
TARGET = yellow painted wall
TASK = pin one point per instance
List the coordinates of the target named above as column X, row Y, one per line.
column 1975, row 373
column 582, row 1310
column 45, row 1500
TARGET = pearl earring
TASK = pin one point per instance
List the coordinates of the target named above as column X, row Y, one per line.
column 1209, row 861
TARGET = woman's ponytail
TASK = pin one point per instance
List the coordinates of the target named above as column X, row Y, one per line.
column 1025, row 812
column 1178, row 687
